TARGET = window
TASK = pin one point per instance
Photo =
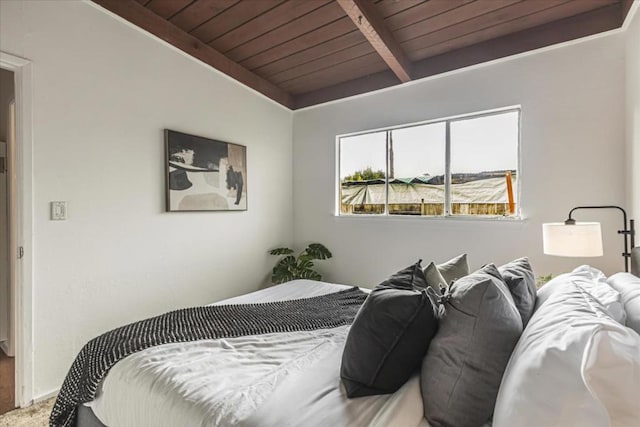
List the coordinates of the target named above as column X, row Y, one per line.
column 462, row 166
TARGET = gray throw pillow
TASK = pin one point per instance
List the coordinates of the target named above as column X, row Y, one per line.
column 447, row 272
column 454, row 269
column 434, row 278
column 462, row 370
column 519, row 277
column 389, row 336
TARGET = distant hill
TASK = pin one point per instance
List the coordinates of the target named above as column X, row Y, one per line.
column 456, row 178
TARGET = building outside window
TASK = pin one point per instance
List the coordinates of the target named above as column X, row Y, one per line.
column 461, row 166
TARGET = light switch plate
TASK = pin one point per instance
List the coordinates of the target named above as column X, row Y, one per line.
column 58, row 211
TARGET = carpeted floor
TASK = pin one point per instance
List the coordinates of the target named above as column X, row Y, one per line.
column 33, row 416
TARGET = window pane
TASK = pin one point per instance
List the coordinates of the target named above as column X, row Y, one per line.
column 363, row 165
column 416, row 170
column 484, row 161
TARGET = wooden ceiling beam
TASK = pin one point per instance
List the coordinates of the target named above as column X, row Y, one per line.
column 144, row 18
column 372, row 26
column 593, row 22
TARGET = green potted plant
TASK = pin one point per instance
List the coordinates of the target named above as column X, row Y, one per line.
column 291, row 267
column 542, row 280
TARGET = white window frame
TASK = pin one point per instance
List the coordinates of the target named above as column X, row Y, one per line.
column 517, row 216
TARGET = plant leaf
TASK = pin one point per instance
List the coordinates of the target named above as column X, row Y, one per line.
column 281, row 278
column 306, row 264
column 283, row 271
column 310, row 274
column 318, row 251
column 304, row 256
column 287, row 262
column 281, row 251
column 291, row 268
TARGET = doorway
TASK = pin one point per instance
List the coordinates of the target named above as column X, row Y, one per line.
column 7, row 311
column 20, row 160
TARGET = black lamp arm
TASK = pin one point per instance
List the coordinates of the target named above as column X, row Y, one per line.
column 627, row 232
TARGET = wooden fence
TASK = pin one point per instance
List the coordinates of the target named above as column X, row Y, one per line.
column 428, row 209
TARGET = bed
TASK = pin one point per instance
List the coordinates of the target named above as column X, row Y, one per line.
column 211, row 388
column 292, row 379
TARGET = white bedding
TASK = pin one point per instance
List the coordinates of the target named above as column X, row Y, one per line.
column 284, row 379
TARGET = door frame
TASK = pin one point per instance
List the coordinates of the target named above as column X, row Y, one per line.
column 21, row 226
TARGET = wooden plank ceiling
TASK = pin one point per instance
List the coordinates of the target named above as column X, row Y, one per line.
column 305, row 52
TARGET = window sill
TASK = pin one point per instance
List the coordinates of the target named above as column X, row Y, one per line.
column 454, row 218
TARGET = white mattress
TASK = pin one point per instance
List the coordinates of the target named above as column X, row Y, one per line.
column 283, row 379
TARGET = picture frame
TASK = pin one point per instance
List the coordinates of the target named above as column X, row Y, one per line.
column 204, row 174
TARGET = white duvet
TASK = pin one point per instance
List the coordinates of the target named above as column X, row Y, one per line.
column 283, row 379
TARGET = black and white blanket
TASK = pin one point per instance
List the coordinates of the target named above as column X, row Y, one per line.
column 198, row 323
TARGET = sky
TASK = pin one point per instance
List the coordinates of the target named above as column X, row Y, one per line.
column 478, row 144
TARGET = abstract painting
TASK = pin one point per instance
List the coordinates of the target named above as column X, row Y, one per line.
column 204, row 174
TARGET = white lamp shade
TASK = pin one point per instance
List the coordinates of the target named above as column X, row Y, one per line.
column 582, row 239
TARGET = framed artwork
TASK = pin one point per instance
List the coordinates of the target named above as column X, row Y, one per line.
column 204, row 174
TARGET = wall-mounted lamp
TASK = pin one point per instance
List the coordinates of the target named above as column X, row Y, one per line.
column 584, row 239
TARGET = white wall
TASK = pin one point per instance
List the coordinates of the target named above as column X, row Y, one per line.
column 572, row 148
column 633, row 115
column 103, row 92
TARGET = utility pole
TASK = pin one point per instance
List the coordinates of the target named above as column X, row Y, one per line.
column 390, row 138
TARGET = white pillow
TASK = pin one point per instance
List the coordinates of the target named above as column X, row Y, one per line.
column 573, row 366
column 629, row 287
column 594, row 282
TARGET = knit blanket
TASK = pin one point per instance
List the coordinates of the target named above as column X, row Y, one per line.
column 191, row 324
